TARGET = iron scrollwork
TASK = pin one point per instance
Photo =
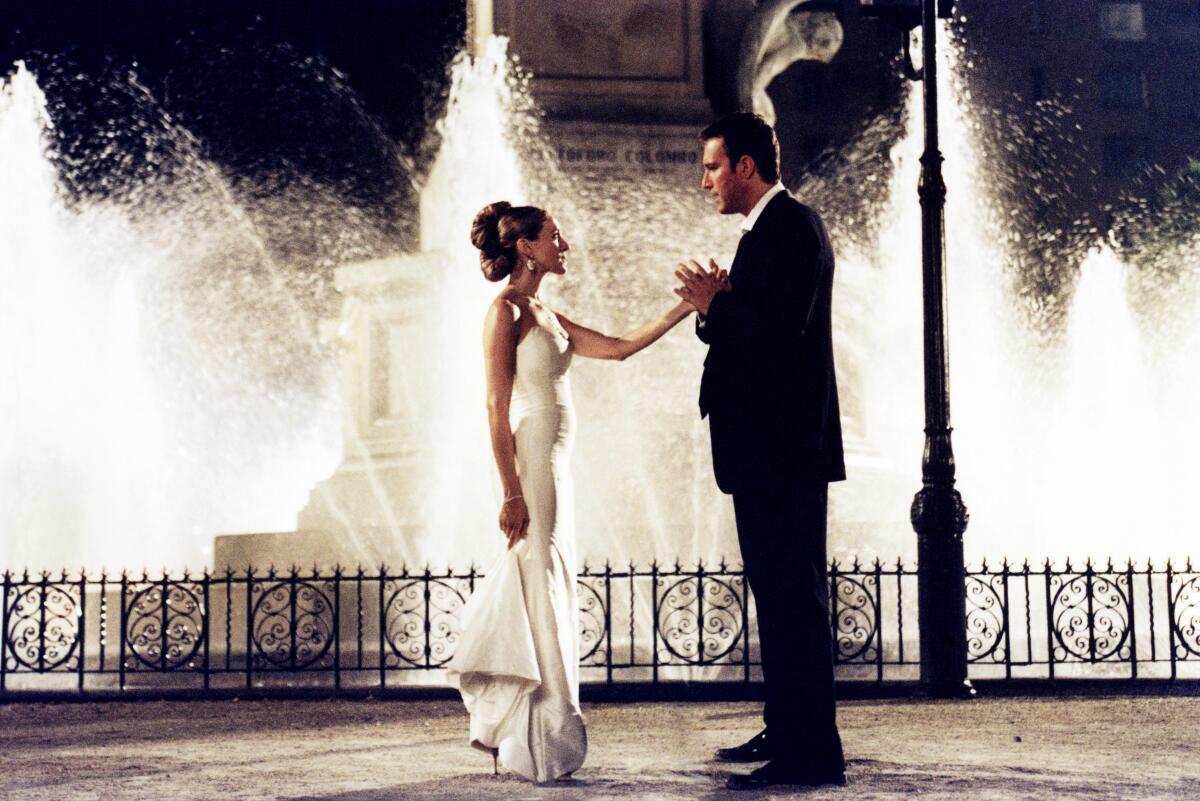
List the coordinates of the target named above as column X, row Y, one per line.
column 986, row 620
column 855, row 624
column 593, row 624
column 1090, row 617
column 164, row 625
column 43, row 627
column 1186, row 618
column 422, row 622
column 293, row 624
column 699, row 619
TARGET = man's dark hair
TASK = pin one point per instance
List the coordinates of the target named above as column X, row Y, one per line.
column 748, row 134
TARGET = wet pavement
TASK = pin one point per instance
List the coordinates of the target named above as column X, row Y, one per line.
column 1118, row 747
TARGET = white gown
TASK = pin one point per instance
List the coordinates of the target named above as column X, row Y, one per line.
column 517, row 662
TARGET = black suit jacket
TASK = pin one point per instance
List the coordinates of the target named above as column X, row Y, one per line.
column 769, row 388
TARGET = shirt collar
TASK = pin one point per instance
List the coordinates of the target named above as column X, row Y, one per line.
column 756, row 212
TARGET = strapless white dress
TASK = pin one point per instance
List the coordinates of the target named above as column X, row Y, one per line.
column 517, row 662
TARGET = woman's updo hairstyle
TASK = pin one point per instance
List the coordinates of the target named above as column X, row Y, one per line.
column 495, row 232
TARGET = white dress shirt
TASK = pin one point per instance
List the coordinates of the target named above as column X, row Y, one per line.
column 752, row 218
column 757, row 211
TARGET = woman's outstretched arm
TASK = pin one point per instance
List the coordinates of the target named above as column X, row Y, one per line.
column 594, row 345
column 500, row 364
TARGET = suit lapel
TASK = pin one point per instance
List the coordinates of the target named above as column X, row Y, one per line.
column 745, row 248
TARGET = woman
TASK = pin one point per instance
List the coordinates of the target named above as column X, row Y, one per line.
column 517, row 664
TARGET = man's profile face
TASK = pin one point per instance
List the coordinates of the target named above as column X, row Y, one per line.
column 720, row 179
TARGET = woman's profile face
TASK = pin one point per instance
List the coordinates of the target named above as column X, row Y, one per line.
column 550, row 248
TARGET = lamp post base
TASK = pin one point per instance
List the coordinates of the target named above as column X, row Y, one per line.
column 940, row 518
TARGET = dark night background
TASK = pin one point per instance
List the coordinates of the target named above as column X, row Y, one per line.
column 341, row 95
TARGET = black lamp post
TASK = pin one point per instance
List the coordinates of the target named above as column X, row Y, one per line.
column 938, row 513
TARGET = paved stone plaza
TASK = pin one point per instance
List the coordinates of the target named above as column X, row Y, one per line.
column 346, row 750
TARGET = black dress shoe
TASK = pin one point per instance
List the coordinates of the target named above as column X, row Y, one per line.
column 774, row 773
column 756, row 749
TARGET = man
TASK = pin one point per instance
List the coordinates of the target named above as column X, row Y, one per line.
column 770, row 396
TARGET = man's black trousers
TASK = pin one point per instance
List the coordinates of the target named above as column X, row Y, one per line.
column 781, row 530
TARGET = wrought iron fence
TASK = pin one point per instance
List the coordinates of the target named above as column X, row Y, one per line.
column 344, row 630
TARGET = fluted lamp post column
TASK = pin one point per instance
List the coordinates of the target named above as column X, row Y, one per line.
column 938, row 513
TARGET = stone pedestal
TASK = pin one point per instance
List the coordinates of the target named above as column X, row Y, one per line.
column 621, row 60
column 357, row 515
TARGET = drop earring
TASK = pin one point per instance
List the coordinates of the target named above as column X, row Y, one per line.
column 532, row 265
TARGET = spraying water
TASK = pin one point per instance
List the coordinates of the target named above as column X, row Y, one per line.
column 154, row 406
column 161, row 383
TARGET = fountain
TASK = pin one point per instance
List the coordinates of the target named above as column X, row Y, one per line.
column 152, row 408
column 161, row 381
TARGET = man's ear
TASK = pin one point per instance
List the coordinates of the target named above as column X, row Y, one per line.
column 746, row 167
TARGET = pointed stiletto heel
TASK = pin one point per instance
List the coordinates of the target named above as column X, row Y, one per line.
column 495, row 761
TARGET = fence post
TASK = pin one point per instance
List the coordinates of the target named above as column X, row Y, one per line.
column 1049, row 623
column 4, row 633
column 1150, row 610
column 1133, row 654
column 878, row 621
column 608, row 650
column 121, row 632
column 1171, row 614
column 206, row 625
column 228, row 619
column 358, row 611
column 337, row 624
column 833, row 610
column 103, row 615
column 81, row 631
column 1006, row 620
column 900, row 610
column 249, row 626
column 699, row 612
column 654, row 621
column 164, row 608
column 382, row 625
